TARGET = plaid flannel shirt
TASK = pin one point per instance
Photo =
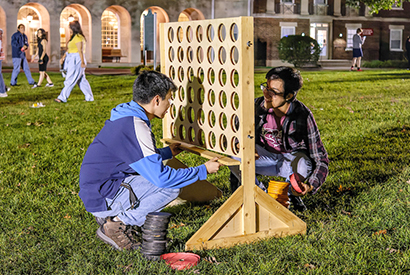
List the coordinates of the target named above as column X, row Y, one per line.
column 317, row 151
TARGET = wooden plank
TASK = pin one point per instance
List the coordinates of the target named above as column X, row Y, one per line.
column 247, row 124
column 203, row 152
column 243, row 239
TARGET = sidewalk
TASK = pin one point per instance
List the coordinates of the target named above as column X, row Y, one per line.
column 93, row 71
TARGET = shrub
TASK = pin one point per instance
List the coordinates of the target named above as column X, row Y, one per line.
column 140, row 68
column 385, row 64
column 299, row 50
column 136, row 70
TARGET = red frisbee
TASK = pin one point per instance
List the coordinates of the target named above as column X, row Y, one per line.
column 295, row 184
column 181, row 260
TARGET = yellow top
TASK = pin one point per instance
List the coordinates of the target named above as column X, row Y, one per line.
column 72, row 47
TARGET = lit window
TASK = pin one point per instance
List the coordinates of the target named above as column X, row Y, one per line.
column 109, row 30
column 285, row 31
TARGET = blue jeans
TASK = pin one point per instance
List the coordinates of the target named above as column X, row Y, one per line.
column 17, row 62
column 2, row 85
column 152, row 199
column 282, row 165
column 75, row 76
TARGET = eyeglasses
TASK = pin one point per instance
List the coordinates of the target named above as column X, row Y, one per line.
column 272, row 92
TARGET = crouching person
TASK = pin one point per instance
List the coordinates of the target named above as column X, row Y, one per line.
column 122, row 176
column 288, row 142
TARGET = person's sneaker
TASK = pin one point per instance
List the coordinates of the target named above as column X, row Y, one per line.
column 50, row 85
column 351, row 68
column 35, row 86
column 118, row 235
column 359, row 70
column 4, row 95
column 8, row 89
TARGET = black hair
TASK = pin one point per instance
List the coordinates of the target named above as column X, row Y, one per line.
column 149, row 84
column 359, row 30
column 43, row 35
column 76, row 28
column 292, row 80
column 18, row 27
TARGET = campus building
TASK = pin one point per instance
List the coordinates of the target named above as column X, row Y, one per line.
column 114, row 28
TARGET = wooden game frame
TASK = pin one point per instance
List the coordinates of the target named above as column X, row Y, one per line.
column 217, row 56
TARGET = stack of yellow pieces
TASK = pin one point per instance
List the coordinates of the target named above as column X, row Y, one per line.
column 279, row 191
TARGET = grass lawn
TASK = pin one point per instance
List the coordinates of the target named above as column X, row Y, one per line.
column 358, row 222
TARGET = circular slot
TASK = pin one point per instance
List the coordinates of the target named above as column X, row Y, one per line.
column 222, row 55
column 234, row 32
column 221, row 32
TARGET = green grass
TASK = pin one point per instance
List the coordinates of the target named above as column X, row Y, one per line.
column 357, row 223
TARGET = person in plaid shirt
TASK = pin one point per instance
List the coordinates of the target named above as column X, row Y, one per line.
column 287, row 139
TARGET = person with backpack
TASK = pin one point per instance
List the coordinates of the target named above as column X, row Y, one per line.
column 288, row 142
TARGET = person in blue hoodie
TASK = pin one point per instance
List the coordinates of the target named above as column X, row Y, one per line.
column 122, row 176
column 19, row 46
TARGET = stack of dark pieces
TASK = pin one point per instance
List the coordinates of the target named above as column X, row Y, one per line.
column 154, row 235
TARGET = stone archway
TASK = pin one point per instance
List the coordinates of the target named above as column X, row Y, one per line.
column 162, row 17
column 190, row 14
column 83, row 15
column 34, row 16
column 120, row 28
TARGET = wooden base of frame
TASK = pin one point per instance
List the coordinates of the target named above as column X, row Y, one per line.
column 225, row 228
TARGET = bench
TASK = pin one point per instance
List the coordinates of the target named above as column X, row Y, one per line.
column 111, row 55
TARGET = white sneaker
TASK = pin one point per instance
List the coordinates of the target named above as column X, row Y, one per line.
column 35, row 86
column 4, row 95
column 50, row 85
column 8, row 89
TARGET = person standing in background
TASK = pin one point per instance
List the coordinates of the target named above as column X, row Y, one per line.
column 75, row 63
column 358, row 41
column 408, row 51
column 42, row 58
column 19, row 46
column 3, row 87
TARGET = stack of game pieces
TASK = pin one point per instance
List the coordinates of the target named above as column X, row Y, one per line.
column 154, row 233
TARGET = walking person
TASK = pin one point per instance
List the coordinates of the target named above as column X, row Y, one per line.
column 19, row 46
column 408, row 51
column 358, row 41
column 42, row 59
column 75, row 63
column 3, row 87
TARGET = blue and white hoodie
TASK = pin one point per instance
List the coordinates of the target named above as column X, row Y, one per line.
column 126, row 146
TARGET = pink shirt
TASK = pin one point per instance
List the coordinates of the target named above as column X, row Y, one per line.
column 272, row 133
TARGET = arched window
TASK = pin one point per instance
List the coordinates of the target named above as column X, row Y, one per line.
column 109, row 29
column 30, row 18
column 67, row 15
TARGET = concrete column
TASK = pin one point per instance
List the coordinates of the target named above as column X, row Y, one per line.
column 304, row 7
column 54, row 39
column 11, row 21
column 337, row 8
column 95, row 49
column 270, row 6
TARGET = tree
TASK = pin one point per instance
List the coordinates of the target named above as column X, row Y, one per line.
column 299, row 50
column 376, row 5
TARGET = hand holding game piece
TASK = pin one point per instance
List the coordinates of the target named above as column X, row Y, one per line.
column 212, row 166
column 175, row 148
column 299, row 188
